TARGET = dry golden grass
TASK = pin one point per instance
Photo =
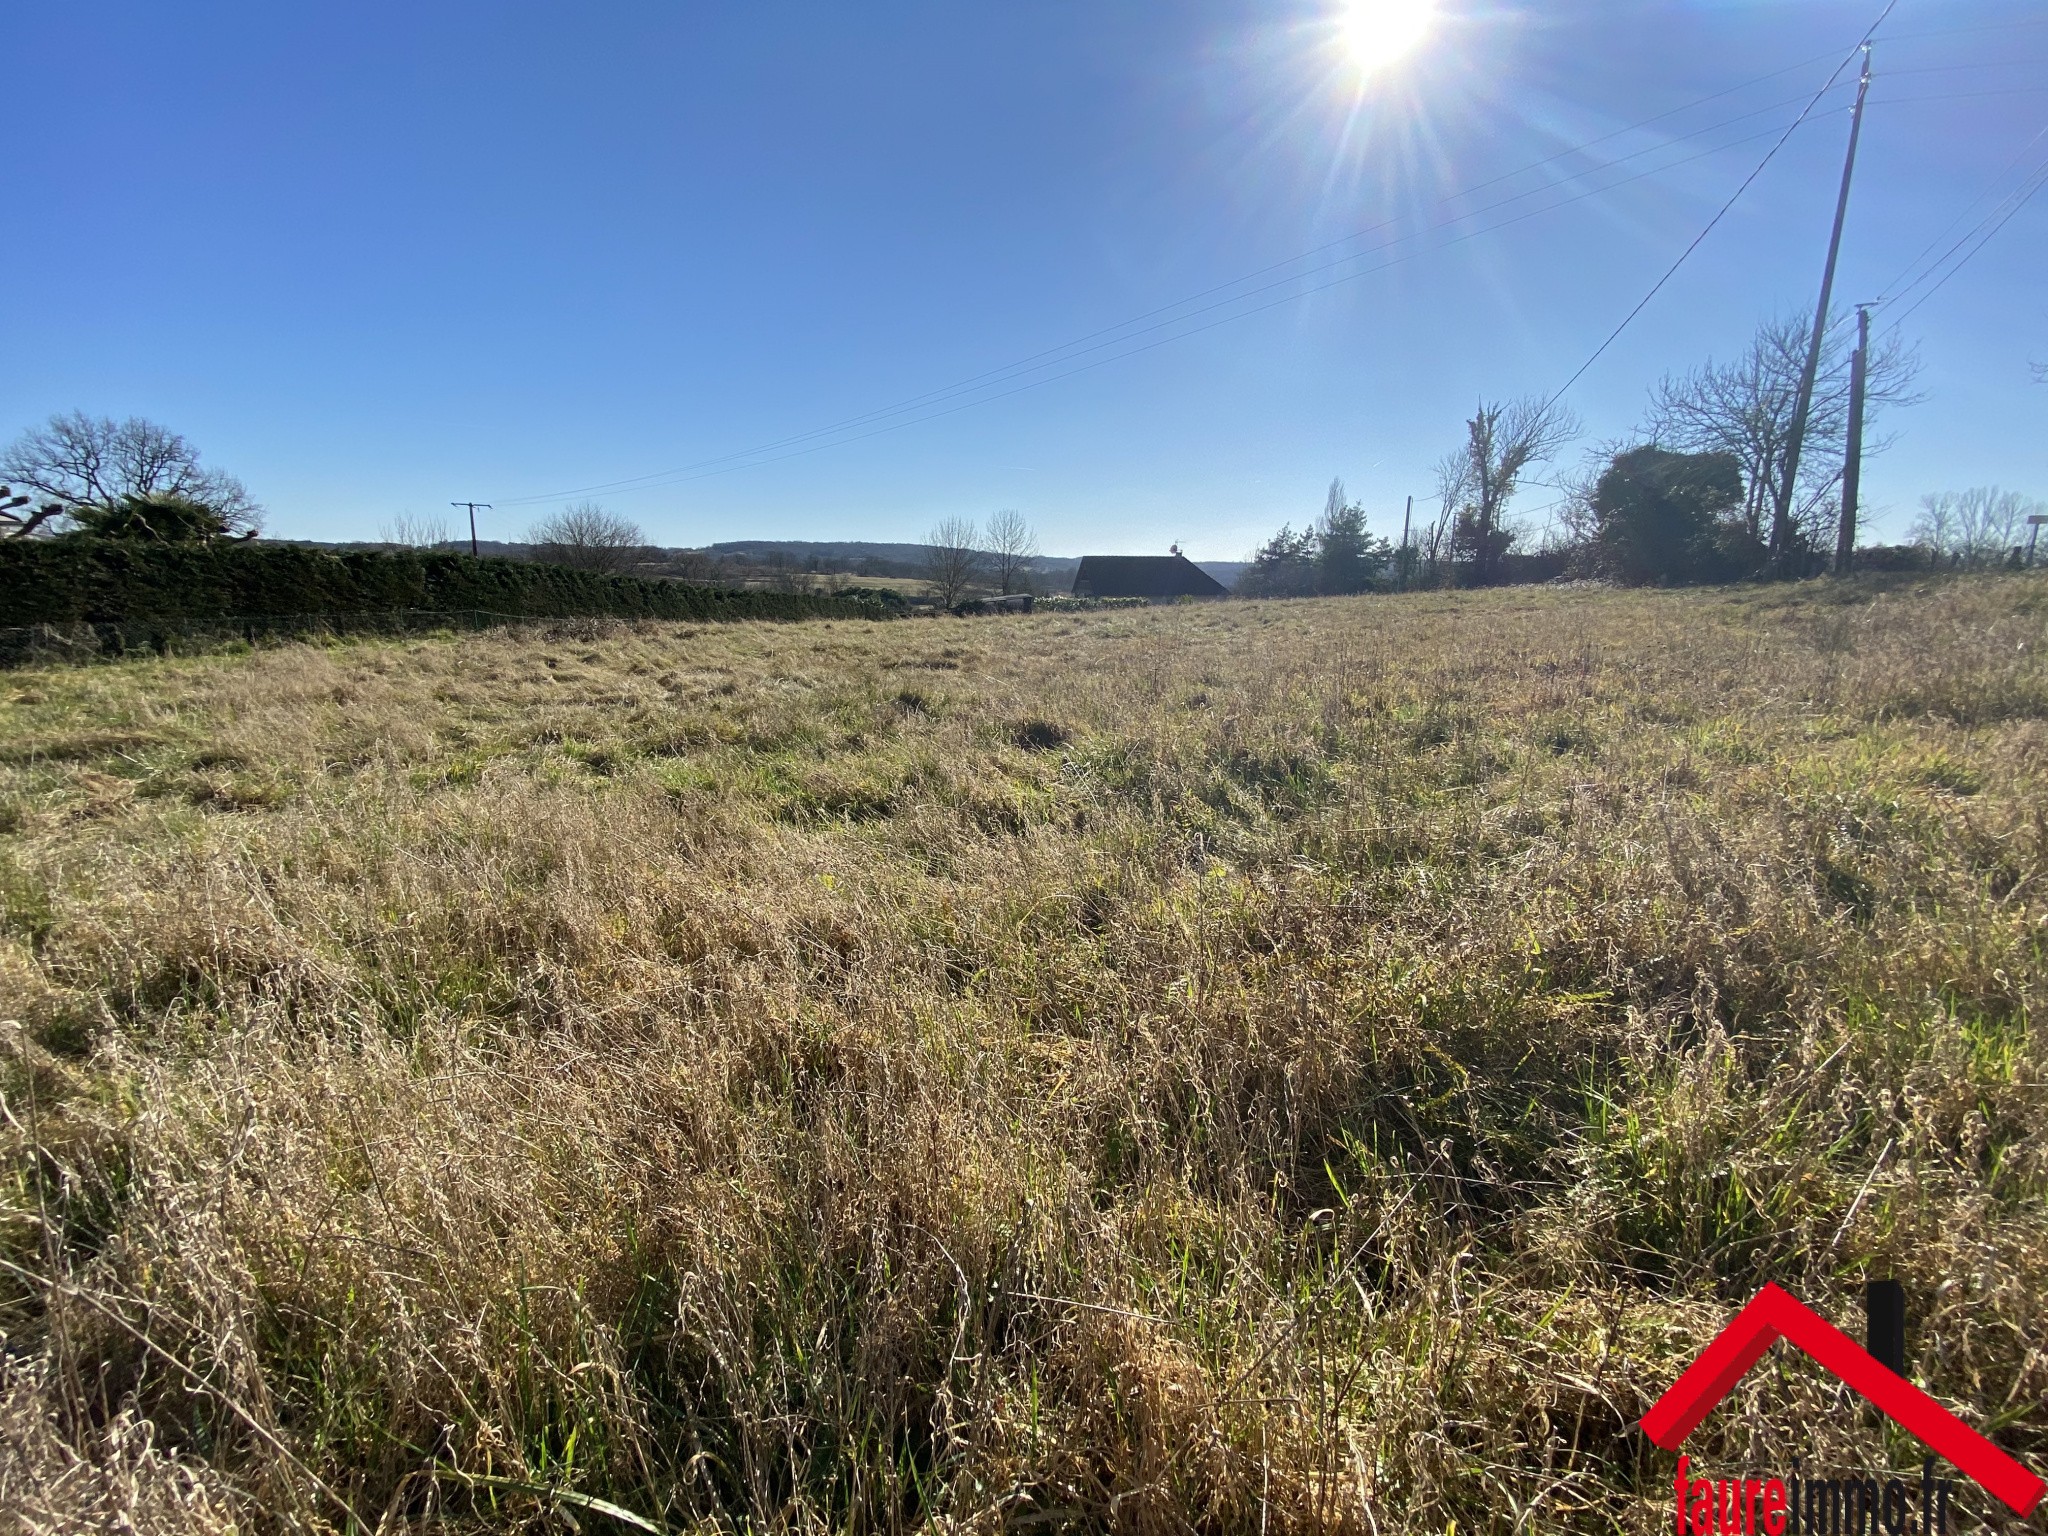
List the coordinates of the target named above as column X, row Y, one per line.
column 1295, row 1067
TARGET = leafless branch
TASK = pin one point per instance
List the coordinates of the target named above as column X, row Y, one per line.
column 1012, row 546
column 588, row 537
column 952, row 560
column 75, row 460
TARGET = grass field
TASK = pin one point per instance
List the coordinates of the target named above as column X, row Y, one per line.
column 1261, row 1067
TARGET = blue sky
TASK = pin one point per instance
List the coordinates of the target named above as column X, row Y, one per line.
column 376, row 257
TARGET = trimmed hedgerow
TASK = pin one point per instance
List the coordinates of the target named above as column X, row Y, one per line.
column 101, row 581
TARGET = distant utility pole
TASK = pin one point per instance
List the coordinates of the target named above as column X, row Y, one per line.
column 472, row 505
column 1781, row 521
column 1852, row 461
column 1403, row 567
column 2034, row 532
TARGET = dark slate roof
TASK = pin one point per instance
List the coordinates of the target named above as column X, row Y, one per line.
column 1144, row 576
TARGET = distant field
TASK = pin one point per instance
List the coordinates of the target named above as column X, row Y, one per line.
column 1252, row 1067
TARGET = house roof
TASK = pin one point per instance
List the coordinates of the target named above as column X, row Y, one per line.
column 1144, row 576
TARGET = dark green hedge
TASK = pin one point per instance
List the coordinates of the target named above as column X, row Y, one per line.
column 101, row 581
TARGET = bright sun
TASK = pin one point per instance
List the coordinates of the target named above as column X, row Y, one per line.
column 1381, row 32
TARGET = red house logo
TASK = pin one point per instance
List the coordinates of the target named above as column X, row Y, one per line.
column 1776, row 1314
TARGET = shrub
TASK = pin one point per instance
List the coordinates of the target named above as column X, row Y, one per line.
column 90, row 580
column 160, row 517
column 1663, row 518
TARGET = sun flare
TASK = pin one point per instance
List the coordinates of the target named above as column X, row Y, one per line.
column 1382, row 32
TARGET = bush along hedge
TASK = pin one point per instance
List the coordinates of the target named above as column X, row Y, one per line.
column 75, row 580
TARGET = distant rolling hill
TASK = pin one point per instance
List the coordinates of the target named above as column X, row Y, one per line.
column 854, row 557
column 856, row 554
column 1056, row 572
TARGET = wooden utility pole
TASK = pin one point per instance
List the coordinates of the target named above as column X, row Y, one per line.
column 1781, row 520
column 1402, row 568
column 472, row 505
column 1852, row 461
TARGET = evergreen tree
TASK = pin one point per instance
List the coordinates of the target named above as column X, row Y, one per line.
column 1665, row 518
column 1336, row 556
column 1284, row 566
column 1348, row 559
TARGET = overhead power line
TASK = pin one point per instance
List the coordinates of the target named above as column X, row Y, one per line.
column 1126, row 330
column 1129, row 338
column 1898, row 287
column 1988, row 26
column 1723, row 211
column 2014, row 90
column 474, row 508
column 988, row 393
column 1990, row 226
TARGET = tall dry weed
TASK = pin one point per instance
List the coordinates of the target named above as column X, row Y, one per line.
column 1312, row 1067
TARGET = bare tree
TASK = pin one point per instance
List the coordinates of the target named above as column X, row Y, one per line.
column 1745, row 407
column 1979, row 527
column 952, row 560
column 1577, row 521
column 588, row 537
column 1433, row 539
column 414, row 530
column 1012, row 546
column 785, row 575
column 693, row 565
column 1479, row 480
column 22, row 514
column 75, row 460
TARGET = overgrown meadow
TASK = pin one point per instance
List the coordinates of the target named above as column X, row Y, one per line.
column 1288, row 1067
